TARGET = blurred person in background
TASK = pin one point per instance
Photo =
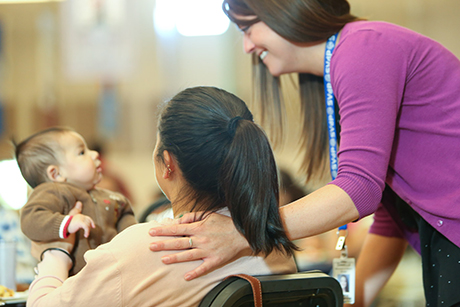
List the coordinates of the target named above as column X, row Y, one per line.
column 112, row 179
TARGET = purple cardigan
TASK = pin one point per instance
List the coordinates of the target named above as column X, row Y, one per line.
column 399, row 99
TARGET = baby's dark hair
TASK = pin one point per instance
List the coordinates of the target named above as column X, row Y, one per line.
column 227, row 161
column 37, row 152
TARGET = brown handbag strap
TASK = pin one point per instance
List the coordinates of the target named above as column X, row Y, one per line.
column 255, row 285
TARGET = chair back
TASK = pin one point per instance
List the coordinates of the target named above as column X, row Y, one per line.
column 313, row 288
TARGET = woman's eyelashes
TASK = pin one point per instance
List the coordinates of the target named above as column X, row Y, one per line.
column 244, row 29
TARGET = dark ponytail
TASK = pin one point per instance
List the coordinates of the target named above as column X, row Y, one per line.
column 227, row 161
column 249, row 182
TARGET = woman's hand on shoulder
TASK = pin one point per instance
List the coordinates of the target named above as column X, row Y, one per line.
column 213, row 239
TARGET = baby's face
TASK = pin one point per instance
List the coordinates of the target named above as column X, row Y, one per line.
column 78, row 164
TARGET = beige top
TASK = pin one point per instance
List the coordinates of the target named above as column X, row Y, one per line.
column 124, row 272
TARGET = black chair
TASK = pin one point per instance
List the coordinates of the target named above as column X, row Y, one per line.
column 312, row 288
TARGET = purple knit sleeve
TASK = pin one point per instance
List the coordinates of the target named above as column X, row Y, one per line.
column 368, row 77
column 384, row 224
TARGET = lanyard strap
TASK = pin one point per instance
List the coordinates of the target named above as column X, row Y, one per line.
column 330, row 109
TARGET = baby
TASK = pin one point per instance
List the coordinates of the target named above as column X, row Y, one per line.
column 61, row 169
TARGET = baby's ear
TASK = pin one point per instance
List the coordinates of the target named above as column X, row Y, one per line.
column 53, row 174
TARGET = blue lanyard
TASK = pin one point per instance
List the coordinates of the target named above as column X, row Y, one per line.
column 330, row 109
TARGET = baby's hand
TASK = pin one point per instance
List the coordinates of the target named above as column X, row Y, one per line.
column 80, row 221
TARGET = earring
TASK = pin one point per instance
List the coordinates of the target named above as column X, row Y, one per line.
column 169, row 169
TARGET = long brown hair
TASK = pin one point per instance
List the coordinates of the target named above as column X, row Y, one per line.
column 297, row 21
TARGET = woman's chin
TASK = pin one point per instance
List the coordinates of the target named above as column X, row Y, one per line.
column 275, row 72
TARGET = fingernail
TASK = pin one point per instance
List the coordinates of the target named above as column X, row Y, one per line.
column 188, row 276
column 166, row 259
column 152, row 232
column 153, row 246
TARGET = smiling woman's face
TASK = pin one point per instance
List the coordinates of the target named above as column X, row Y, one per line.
column 277, row 53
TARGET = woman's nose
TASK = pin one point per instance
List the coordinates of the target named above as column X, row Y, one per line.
column 248, row 45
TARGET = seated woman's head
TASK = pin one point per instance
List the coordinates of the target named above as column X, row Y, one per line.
column 211, row 155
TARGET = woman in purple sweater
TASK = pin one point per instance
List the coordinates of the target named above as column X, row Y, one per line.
column 398, row 125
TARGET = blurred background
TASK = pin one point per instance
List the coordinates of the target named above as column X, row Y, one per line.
column 103, row 66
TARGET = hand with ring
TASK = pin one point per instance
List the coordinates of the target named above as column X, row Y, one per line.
column 215, row 240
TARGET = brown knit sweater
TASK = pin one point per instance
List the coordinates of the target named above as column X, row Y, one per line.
column 50, row 202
